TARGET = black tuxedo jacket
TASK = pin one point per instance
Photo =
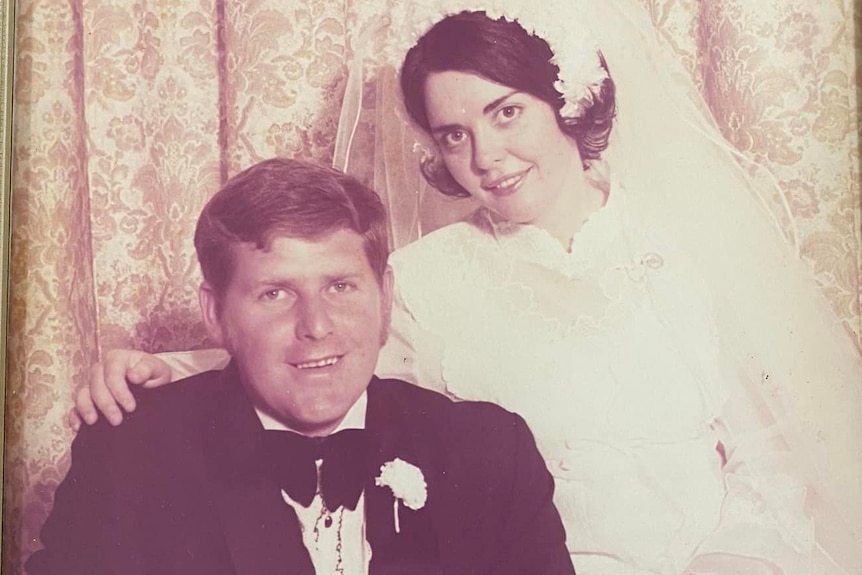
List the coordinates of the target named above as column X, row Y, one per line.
column 177, row 488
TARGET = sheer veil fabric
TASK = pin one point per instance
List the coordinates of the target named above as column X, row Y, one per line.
column 787, row 367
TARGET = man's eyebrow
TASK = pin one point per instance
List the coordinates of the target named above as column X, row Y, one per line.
column 272, row 282
column 352, row 275
column 289, row 282
column 486, row 110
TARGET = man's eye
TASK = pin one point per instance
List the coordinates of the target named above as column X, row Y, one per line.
column 342, row 287
column 273, row 295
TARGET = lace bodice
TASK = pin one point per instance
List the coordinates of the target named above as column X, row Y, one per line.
column 623, row 402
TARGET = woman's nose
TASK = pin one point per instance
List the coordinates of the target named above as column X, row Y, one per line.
column 487, row 151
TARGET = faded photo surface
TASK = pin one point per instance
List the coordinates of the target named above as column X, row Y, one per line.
column 685, row 424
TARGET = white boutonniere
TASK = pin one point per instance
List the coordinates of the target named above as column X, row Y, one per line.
column 407, row 484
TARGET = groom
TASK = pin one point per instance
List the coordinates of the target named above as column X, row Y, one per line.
column 295, row 458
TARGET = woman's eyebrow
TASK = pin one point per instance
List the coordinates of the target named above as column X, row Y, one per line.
column 490, row 107
column 486, row 110
column 445, row 129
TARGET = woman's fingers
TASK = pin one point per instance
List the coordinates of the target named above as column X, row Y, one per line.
column 73, row 420
column 85, row 408
column 109, row 390
column 149, row 371
column 112, row 391
column 100, row 394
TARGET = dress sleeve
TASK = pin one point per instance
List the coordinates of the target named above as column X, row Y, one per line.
column 412, row 353
column 187, row 363
column 766, row 523
column 766, row 526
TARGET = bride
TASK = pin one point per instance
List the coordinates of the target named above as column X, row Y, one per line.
column 621, row 286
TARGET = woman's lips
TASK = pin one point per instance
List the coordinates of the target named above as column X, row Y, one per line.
column 507, row 185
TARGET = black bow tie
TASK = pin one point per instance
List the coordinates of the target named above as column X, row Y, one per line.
column 347, row 465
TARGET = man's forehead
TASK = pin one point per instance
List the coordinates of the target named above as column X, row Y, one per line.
column 342, row 245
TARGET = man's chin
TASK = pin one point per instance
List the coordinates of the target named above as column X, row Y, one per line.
column 320, row 422
column 318, row 428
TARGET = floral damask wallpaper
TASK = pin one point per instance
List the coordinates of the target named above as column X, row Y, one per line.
column 129, row 114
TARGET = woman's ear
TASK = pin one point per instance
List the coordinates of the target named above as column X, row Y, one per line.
column 211, row 311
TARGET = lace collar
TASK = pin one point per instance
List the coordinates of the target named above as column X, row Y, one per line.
column 536, row 245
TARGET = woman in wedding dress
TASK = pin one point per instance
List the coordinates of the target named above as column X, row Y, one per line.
column 622, row 287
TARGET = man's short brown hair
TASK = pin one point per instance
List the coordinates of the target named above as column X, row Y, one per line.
column 283, row 197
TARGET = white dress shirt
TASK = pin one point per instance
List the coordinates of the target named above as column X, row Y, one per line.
column 336, row 541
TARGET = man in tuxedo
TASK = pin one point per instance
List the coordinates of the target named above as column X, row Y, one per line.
column 295, row 458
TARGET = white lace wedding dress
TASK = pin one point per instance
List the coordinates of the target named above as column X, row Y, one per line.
column 626, row 407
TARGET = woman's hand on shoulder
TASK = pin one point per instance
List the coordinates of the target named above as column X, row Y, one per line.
column 109, row 389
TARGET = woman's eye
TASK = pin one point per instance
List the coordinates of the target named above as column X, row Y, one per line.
column 508, row 113
column 453, row 138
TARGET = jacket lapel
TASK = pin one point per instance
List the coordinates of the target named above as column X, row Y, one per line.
column 261, row 530
column 414, row 548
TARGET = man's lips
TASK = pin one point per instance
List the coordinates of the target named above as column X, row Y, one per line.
column 506, row 185
column 317, row 363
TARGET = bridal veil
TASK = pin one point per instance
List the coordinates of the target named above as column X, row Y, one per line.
column 794, row 372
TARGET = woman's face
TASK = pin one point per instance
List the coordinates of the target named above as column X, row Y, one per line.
column 504, row 147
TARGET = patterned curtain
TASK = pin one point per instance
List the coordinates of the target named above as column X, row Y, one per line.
column 130, row 113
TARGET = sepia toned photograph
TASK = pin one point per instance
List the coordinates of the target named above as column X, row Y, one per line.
column 440, row 286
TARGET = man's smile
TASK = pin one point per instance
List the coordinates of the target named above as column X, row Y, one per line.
column 317, row 363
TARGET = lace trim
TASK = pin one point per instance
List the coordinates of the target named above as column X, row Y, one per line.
column 538, row 245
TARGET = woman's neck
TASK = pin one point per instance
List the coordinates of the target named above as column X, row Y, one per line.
column 587, row 196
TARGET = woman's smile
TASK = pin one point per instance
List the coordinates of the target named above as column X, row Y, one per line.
column 505, row 147
column 506, row 185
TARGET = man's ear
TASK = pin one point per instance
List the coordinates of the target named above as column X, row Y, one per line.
column 387, row 288
column 211, row 312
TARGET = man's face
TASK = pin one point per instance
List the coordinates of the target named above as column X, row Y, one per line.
column 304, row 320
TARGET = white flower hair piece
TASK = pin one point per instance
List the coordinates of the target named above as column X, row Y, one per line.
column 407, row 484
column 575, row 51
column 423, row 151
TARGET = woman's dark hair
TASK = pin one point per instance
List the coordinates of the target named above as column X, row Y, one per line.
column 503, row 52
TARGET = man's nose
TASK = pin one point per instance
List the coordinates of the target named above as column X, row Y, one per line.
column 314, row 320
